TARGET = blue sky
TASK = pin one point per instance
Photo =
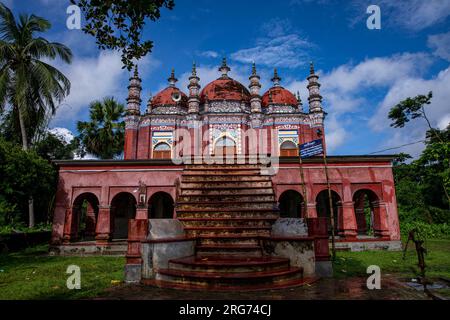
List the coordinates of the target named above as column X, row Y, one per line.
column 363, row 72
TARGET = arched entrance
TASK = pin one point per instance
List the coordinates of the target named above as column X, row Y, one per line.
column 160, row 206
column 288, row 149
column 162, row 151
column 291, row 204
column 123, row 208
column 323, row 207
column 225, row 146
column 365, row 202
column 85, row 213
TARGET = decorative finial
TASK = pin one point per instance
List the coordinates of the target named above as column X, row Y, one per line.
column 172, row 80
column 254, row 69
column 194, row 69
column 224, row 68
column 276, row 79
column 311, row 68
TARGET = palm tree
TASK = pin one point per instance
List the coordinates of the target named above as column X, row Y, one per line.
column 103, row 135
column 29, row 86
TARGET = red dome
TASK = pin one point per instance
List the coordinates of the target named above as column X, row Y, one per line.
column 279, row 96
column 164, row 97
column 225, row 89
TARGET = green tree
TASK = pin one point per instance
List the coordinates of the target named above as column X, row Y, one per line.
column 24, row 175
column 103, row 135
column 28, row 85
column 119, row 24
column 54, row 147
column 423, row 185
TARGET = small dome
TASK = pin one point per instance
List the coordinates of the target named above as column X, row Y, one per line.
column 165, row 98
column 279, row 95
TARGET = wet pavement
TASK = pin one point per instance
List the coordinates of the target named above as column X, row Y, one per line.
column 324, row 289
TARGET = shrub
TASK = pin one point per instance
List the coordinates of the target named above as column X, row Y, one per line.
column 426, row 230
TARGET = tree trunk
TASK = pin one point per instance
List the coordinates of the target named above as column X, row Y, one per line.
column 23, row 132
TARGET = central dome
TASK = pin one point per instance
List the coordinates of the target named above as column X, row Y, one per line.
column 225, row 88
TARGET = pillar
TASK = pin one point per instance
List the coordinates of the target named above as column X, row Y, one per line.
column 69, row 226
column 142, row 213
column 311, row 210
column 103, row 230
column 380, row 223
column 347, row 227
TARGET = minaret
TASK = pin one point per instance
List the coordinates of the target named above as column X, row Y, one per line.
column 315, row 99
column 276, row 79
column 224, row 68
column 194, row 91
column 255, row 86
column 149, row 104
column 134, row 94
column 132, row 116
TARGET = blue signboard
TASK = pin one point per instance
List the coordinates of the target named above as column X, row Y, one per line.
column 312, row 148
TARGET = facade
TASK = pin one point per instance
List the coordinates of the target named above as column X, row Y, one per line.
column 230, row 127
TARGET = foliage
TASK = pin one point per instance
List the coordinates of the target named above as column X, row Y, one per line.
column 53, row 146
column 426, row 230
column 20, row 227
column 408, row 109
column 423, row 185
column 103, row 135
column 29, row 86
column 24, row 174
column 33, row 274
column 118, row 24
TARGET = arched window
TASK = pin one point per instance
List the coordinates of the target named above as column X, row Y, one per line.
column 160, row 206
column 290, row 204
column 162, row 151
column 288, row 149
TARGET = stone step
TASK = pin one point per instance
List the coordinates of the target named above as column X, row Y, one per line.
column 215, row 206
column 221, row 264
column 226, row 199
column 230, row 231
column 228, row 223
column 214, row 279
column 226, row 215
column 229, row 250
column 225, row 185
column 223, row 239
column 227, row 192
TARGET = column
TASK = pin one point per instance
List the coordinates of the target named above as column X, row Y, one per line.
column 347, row 220
column 69, row 234
column 380, row 223
column 142, row 213
column 311, row 210
column 103, row 231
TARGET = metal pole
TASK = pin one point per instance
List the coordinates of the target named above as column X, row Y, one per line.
column 333, row 247
column 302, row 178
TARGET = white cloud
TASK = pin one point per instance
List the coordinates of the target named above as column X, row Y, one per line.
column 209, row 54
column 413, row 15
column 93, row 79
column 440, row 43
column 64, row 133
column 279, row 47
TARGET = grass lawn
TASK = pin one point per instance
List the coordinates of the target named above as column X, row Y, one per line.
column 391, row 262
column 32, row 274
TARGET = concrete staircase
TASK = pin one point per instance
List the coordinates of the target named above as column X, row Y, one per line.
column 229, row 209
